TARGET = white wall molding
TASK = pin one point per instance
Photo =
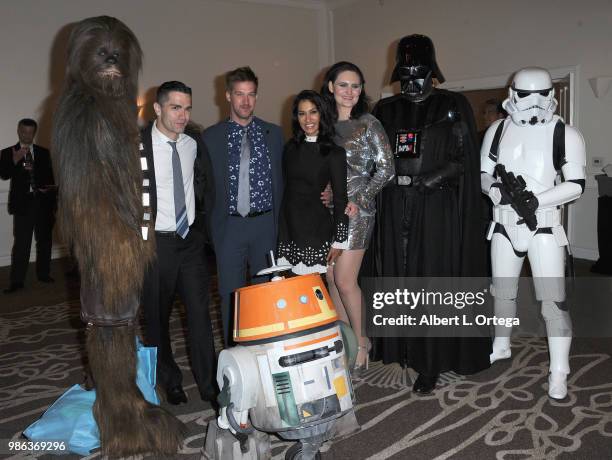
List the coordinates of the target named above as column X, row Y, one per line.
column 499, row 81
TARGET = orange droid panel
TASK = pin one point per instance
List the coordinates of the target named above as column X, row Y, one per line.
column 278, row 308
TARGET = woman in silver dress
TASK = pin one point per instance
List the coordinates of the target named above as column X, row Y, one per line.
column 369, row 167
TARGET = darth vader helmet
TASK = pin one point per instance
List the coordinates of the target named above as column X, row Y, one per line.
column 416, row 66
column 531, row 97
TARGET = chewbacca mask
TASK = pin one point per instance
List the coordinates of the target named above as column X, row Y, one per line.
column 95, row 144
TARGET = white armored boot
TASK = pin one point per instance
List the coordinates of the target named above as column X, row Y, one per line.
column 504, row 308
column 501, row 349
column 559, row 366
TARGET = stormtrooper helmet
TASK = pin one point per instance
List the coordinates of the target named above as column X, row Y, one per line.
column 531, row 97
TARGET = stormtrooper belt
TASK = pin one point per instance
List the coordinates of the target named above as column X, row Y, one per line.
column 550, row 217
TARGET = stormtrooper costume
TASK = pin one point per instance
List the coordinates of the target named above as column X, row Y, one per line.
column 536, row 145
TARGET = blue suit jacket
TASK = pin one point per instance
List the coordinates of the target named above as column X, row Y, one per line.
column 215, row 138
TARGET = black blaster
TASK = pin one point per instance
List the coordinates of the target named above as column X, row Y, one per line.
column 514, row 192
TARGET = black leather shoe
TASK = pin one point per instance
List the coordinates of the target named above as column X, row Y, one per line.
column 13, row 287
column 425, row 384
column 176, row 396
column 46, row 279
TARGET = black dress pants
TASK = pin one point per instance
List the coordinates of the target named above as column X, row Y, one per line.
column 37, row 219
column 180, row 268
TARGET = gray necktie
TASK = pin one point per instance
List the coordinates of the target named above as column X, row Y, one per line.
column 244, row 190
column 180, row 210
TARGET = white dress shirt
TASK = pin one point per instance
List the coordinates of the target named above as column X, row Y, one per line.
column 29, row 147
column 162, row 159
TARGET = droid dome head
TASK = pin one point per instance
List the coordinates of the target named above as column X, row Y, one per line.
column 531, row 98
column 416, row 66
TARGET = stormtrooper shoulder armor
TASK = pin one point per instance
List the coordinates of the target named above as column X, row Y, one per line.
column 488, row 150
column 574, row 164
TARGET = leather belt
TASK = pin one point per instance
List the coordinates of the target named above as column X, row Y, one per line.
column 251, row 214
column 170, row 234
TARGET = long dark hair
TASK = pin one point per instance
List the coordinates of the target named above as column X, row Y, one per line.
column 363, row 103
column 326, row 125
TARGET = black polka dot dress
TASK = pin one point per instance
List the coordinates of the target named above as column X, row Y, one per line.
column 307, row 229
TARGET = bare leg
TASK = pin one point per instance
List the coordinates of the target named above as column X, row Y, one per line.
column 335, row 296
column 345, row 275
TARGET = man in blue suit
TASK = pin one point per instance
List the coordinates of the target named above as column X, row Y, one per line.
column 246, row 154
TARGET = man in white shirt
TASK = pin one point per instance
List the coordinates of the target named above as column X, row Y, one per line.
column 179, row 191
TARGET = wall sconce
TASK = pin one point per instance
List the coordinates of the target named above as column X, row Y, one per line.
column 600, row 86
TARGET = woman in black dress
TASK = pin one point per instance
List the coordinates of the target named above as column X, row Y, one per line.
column 310, row 236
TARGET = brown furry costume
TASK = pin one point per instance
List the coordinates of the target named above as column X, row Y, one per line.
column 95, row 145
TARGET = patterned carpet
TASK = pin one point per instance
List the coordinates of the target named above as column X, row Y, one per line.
column 501, row 413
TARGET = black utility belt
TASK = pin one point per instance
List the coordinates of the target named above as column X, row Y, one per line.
column 405, row 181
column 251, row 214
column 408, row 181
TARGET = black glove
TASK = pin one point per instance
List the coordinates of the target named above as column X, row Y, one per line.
column 435, row 180
column 522, row 200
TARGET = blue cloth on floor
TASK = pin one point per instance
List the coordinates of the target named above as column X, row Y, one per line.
column 70, row 419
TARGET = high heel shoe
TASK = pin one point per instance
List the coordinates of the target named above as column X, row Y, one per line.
column 359, row 369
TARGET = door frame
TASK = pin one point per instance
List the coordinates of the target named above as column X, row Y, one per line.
column 499, row 81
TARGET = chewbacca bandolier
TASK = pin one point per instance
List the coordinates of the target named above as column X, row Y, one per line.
column 95, row 144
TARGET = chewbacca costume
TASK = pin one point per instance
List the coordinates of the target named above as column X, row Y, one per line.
column 95, row 145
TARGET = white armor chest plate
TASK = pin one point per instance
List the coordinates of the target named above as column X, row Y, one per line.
column 527, row 151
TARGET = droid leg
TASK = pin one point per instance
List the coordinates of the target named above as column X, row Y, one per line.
column 221, row 444
column 506, row 267
column 547, row 261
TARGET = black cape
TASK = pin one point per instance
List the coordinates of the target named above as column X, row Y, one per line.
column 434, row 234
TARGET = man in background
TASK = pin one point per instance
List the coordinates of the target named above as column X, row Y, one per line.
column 32, row 202
column 491, row 112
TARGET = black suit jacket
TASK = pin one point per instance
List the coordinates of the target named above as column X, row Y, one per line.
column 20, row 179
column 203, row 181
column 215, row 138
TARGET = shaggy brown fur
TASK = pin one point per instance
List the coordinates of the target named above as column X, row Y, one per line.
column 128, row 424
column 95, row 140
column 95, row 145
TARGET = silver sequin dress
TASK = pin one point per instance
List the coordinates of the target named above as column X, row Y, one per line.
column 370, row 166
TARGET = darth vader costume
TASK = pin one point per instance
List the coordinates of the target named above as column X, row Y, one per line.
column 429, row 222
